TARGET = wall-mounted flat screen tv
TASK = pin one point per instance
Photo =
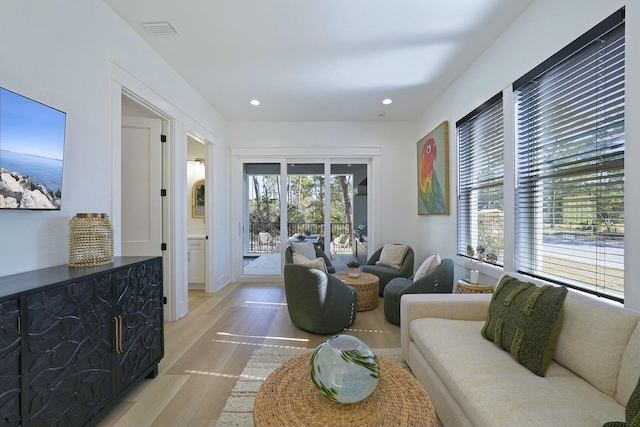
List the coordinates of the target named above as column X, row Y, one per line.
column 31, row 153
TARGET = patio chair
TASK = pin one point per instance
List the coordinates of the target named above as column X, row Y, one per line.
column 340, row 242
column 265, row 239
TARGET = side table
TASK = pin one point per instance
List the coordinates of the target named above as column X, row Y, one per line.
column 367, row 287
column 288, row 398
column 464, row 287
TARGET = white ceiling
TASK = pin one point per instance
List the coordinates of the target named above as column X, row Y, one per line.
column 321, row 60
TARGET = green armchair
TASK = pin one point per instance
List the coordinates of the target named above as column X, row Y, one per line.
column 439, row 281
column 288, row 258
column 318, row 302
column 385, row 273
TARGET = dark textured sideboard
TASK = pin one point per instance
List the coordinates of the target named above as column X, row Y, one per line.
column 73, row 339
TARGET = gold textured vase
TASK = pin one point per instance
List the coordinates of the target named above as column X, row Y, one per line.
column 90, row 239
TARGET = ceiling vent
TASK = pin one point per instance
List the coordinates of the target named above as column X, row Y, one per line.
column 159, row 28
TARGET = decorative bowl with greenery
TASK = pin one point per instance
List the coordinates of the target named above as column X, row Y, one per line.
column 354, row 268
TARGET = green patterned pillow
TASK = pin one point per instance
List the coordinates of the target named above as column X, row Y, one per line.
column 525, row 320
column 631, row 413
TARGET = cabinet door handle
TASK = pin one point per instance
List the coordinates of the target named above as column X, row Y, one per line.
column 120, row 334
column 116, row 340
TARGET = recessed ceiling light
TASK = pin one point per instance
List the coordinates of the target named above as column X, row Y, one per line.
column 387, row 101
column 254, row 102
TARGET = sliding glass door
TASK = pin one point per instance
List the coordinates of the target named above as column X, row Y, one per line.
column 261, row 230
column 306, row 203
column 348, row 210
column 321, row 202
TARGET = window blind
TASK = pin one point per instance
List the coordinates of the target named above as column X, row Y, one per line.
column 480, row 179
column 570, row 172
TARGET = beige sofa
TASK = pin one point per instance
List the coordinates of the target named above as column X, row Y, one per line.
column 474, row 383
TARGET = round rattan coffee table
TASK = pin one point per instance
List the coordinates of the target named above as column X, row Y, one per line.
column 289, row 398
column 367, row 287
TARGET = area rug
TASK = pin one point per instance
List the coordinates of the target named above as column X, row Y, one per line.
column 238, row 410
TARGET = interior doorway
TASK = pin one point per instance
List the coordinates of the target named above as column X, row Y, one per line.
column 141, row 162
column 142, row 211
column 196, row 204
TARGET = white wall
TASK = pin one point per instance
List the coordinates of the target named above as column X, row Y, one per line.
column 395, row 215
column 60, row 52
column 543, row 29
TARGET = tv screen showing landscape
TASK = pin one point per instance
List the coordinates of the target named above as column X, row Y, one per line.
column 31, row 153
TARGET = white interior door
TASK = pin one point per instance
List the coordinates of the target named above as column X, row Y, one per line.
column 141, row 186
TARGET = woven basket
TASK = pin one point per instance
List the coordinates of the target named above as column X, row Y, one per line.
column 90, row 239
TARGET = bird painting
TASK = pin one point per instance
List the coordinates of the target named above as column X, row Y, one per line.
column 432, row 199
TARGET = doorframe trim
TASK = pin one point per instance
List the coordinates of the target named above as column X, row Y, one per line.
column 210, row 140
column 174, row 259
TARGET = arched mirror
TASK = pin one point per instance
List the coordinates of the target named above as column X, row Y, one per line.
column 197, row 199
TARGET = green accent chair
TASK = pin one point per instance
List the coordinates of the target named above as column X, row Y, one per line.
column 385, row 273
column 288, row 258
column 318, row 302
column 439, row 281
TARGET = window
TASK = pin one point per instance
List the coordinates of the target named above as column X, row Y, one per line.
column 570, row 172
column 481, row 179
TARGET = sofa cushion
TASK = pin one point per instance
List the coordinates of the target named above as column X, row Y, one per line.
column 317, row 263
column 429, row 264
column 525, row 320
column 608, row 328
column 392, row 255
column 494, row 390
column 306, row 249
column 629, row 369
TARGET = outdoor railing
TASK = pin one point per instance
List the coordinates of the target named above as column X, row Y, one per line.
column 273, row 228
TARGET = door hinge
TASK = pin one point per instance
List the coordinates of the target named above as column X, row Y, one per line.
column 163, row 192
column 163, row 138
column 163, row 247
column 164, row 300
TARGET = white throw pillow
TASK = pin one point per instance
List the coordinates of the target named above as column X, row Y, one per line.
column 317, row 263
column 429, row 264
column 392, row 255
column 306, row 249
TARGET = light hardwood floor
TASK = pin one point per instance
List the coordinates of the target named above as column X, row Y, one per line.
column 206, row 350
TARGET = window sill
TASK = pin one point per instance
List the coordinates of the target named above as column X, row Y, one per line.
column 488, row 270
